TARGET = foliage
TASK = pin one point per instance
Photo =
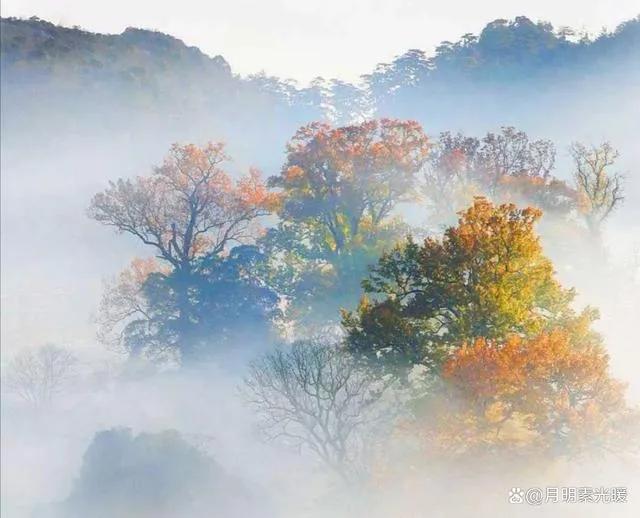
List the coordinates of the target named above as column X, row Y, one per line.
column 544, row 394
column 336, row 180
column 148, row 66
column 450, row 174
column 339, row 187
column 512, row 367
column 123, row 302
column 152, row 475
column 506, row 167
column 229, row 304
column 190, row 212
column 507, row 52
column 315, row 284
column 140, row 80
column 487, row 277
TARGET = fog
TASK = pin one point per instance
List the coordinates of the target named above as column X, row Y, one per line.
column 59, row 149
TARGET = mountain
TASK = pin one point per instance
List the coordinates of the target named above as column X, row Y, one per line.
column 135, row 56
column 509, row 65
column 77, row 82
column 80, row 80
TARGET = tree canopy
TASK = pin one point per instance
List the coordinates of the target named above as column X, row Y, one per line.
column 191, row 214
column 547, row 394
column 487, row 277
column 339, row 187
column 505, row 166
column 188, row 209
column 339, row 179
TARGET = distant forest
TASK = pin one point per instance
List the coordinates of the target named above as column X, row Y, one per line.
column 141, row 75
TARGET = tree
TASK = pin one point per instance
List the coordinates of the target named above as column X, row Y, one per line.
column 314, row 283
column 506, row 167
column 124, row 309
column 542, row 394
column 154, row 475
column 337, row 179
column 189, row 209
column 314, row 395
column 190, row 212
column 339, row 187
column 599, row 190
column 510, row 152
column 487, row 277
column 230, row 304
column 38, row 376
column 450, row 174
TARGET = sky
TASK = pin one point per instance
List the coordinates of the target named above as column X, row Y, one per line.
column 301, row 39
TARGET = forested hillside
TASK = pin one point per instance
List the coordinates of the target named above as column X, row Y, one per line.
column 141, row 75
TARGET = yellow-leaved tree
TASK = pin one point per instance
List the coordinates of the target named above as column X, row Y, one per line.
column 486, row 278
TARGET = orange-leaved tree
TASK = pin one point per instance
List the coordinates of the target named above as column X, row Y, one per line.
column 189, row 208
column 543, row 394
column 336, row 179
column 191, row 213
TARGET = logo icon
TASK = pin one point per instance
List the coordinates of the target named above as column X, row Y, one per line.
column 516, row 495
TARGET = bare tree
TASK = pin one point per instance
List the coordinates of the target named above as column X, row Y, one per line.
column 313, row 395
column 498, row 165
column 511, row 153
column 37, row 376
column 600, row 190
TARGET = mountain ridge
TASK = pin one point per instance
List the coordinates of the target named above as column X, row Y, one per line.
column 503, row 41
column 73, row 81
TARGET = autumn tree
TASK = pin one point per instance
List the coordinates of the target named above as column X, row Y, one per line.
column 512, row 153
column 599, row 189
column 191, row 214
column 544, row 394
column 487, row 277
column 506, row 167
column 339, row 187
column 338, row 179
column 189, row 209
column 314, row 395
column 450, row 174
column 37, row 376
